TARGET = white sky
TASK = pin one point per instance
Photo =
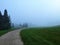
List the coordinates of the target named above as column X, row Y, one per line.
column 37, row 12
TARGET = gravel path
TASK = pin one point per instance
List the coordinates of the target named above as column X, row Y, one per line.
column 11, row 38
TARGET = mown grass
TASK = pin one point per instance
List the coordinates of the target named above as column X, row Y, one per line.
column 41, row 36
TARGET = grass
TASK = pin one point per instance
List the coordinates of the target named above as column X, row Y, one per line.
column 2, row 32
column 41, row 36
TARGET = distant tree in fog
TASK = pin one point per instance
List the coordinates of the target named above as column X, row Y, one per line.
column 25, row 25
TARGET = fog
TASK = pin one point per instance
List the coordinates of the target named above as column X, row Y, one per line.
column 33, row 12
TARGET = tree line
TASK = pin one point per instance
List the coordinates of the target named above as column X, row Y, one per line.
column 5, row 22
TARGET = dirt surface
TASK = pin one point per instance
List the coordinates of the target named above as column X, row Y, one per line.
column 11, row 38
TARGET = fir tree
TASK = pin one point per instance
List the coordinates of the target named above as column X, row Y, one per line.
column 1, row 21
column 7, row 23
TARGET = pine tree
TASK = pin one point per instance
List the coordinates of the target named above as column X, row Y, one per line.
column 7, row 23
column 1, row 21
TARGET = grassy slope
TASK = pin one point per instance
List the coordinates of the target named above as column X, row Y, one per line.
column 41, row 36
column 5, row 31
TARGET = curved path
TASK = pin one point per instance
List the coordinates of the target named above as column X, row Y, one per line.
column 11, row 38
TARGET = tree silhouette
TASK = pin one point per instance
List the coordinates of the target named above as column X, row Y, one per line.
column 1, row 21
column 6, row 18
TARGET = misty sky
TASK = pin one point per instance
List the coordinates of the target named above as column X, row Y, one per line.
column 36, row 12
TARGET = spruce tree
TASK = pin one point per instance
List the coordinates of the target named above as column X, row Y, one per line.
column 1, row 21
column 7, row 23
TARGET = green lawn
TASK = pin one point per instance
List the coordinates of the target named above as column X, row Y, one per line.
column 41, row 36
